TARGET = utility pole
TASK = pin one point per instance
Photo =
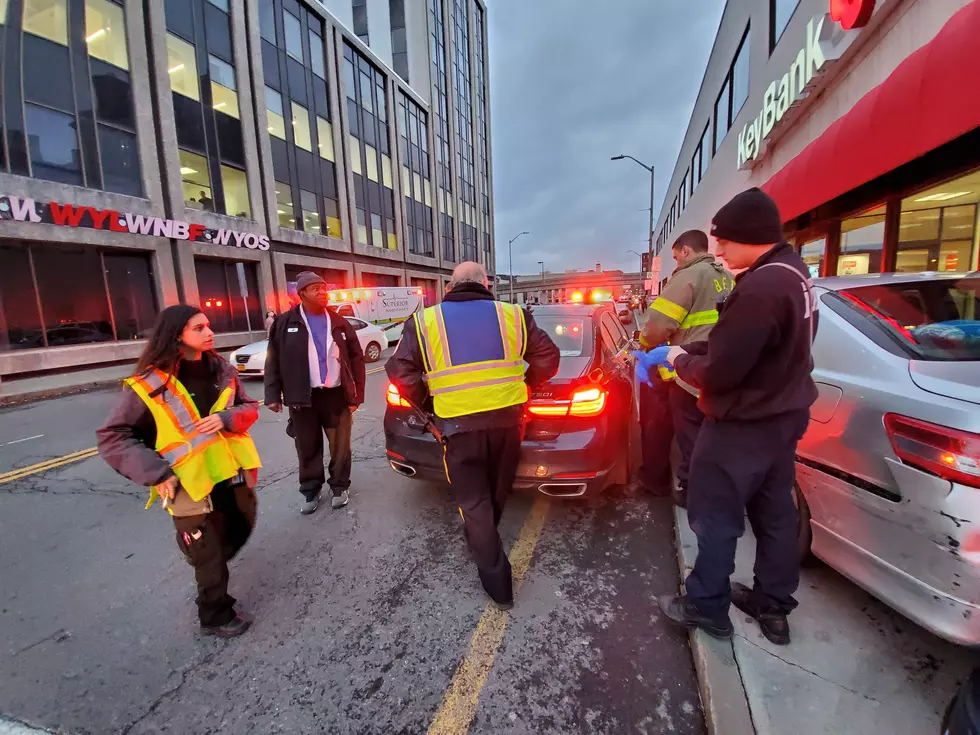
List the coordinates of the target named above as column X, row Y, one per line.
column 652, row 222
column 510, row 254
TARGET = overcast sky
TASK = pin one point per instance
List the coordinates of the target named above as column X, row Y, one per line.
column 572, row 83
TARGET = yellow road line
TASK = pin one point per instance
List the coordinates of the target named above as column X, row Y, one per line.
column 375, row 370
column 463, row 694
column 48, row 465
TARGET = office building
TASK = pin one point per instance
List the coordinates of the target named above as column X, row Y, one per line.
column 207, row 151
column 857, row 117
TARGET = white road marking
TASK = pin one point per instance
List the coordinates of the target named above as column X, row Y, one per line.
column 26, row 439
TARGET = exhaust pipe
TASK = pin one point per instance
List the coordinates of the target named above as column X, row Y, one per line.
column 402, row 469
column 562, row 490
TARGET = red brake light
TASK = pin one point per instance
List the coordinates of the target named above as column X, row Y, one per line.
column 585, row 402
column 951, row 454
column 208, row 303
column 217, row 303
column 395, row 398
column 418, row 292
column 577, row 296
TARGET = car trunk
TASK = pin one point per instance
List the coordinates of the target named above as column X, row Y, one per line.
column 571, row 374
column 959, row 380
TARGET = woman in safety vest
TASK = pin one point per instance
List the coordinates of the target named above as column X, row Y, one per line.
column 181, row 428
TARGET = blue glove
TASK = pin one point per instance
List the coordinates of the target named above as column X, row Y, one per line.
column 647, row 361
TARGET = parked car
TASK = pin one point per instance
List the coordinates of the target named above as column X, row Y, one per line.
column 625, row 313
column 581, row 425
column 250, row 359
column 888, row 472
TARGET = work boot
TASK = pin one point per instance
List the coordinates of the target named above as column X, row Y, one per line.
column 683, row 612
column 310, row 506
column 774, row 625
column 232, row 629
column 638, row 488
column 502, row 606
column 340, row 500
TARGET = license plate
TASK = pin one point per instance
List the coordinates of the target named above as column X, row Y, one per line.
column 241, row 368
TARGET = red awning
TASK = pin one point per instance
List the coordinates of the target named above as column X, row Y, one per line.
column 931, row 98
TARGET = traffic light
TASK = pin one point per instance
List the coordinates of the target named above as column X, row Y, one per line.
column 645, row 262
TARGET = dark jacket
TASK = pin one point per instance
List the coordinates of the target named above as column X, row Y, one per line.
column 406, row 368
column 287, row 364
column 756, row 362
column 127, row 438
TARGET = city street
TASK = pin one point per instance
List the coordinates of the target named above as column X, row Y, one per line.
column 368, row 619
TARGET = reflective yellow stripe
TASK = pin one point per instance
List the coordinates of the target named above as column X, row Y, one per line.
column 700, row 319
column 474, row 366
column 477, row 384
column 669, row 309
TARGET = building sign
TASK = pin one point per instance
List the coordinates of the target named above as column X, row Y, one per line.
column 69, row 215
column 852, row 13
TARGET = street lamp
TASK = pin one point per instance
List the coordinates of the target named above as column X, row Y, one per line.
column 510, row 255
column 650, row 169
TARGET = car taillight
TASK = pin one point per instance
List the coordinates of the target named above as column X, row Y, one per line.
column 949, row 453
column 584, row 402
column 395, row 398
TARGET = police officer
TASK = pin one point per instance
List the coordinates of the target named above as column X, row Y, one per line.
column 468, row 354
column 685, row 311
column 756, row 391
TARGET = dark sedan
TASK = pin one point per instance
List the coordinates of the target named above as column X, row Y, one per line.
column 580, row 425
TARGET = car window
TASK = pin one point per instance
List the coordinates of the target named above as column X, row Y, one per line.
column 616, row 334
column 356, row 323
column 572, row 335
column 931, row 319
column 346, row 310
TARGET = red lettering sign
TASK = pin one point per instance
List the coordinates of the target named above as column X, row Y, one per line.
column 952, row 260
column 852, row 13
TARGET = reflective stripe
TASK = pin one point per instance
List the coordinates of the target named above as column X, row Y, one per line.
column 504, row 331
column 423, row 342
column 473, row 367
column 700, row 319
column 443, row 343
column 478, row 384
column 669, row 309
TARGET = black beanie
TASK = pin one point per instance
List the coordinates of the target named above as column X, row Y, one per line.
column 750, row 218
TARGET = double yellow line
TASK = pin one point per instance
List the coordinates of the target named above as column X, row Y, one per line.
column 47, row 465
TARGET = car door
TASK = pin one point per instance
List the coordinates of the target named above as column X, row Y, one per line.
column 359, row 326
column 617, row 365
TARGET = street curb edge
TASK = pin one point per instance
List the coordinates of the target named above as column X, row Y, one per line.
column 19, row 399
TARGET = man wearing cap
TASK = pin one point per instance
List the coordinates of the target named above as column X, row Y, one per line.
column 753, row 372
column 315, row 366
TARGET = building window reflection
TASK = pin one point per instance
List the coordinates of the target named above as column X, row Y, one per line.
column 862, row 243
column 938, row 227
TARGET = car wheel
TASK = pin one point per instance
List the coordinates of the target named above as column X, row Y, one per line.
column 804, row 534
column 373, row 352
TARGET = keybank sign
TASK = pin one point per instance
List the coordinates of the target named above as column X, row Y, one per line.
column 782, row 93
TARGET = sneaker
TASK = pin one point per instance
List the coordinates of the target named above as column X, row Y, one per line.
column 339, row 501
column 682, row 612
column 773, row 624
column 232, row 629
column 310, row 506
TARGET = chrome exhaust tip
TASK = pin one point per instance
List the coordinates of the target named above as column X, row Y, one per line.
column 402, row 469
column 563, row 490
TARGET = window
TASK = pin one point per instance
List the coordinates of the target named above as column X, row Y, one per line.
column 229, row 293
column 371, row 160
column 53, row 145
column 359, row 8
column 267, row 21
column 273, row 106
column 20, row 322
column 862, row 241
column 705, row 152
column 780, row 11
column 236, row 192
column 301, row 127
column 324, row 139
column 196, row 181
column 317, row 55
column 362, row 236
column 311, row 212
column 284, row 205
column 294, row 36
column 399, row 41
column 67, row 280
column 224, row 98
column 47, row 19
column 740, row 77
column 105, row 32
column 355, row 155
column 132, row 292
column 120, row 161
column 183, row 67
column 939, row 227
column 222, row 4
column 814, row 253
column 333, row 218
column 722, row 109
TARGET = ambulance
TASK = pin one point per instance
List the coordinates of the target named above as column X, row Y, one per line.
column 386, row 307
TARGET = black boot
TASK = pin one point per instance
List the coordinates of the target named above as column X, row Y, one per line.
column 678, row 609
column 232, row 629
column 774, row 625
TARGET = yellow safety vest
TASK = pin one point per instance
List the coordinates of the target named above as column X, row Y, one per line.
column 461, row 387
column 200, row 461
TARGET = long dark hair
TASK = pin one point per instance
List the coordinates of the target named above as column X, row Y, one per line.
column 163, row 350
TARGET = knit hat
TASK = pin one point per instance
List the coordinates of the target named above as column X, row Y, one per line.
column 305, row 279
column 750, row 218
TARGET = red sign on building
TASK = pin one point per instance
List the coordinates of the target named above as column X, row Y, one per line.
column 851, row 13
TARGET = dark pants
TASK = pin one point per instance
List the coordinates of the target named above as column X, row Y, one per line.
column 330, row 414
column 214, row 539
column 656, row 436
column 740, row 467
column 481, row 466
column 687, row 419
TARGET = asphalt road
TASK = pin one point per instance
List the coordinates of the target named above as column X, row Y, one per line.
column 368, row 620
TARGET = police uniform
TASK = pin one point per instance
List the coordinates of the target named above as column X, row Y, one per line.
column 468, row 354
column 756, row 391
column 685, row 311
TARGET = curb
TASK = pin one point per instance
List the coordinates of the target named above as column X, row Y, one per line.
column 723, row 698
column 16, row 727
column 17, row 399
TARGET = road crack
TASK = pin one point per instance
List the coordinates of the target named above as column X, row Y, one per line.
column 169, row 692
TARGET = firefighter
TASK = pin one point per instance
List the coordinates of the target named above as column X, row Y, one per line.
column 469, row 355
column 756, row 391
column 181, row 428
column 685, row 311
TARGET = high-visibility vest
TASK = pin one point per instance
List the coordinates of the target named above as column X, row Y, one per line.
column 200, row 461
column 474, row 356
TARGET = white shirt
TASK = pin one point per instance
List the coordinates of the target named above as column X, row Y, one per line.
column 332, row 353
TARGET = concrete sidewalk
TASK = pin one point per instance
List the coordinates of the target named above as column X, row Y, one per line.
column 24, row 390
column 854, row 666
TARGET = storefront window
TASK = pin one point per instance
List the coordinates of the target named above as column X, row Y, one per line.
column 131, row 288
column 938, row 230
column 20, row 323
column 862, row 243
column 195, row 181
column 229, row 294
column 813, row 254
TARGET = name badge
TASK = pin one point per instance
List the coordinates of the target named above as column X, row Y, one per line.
column 292, row 329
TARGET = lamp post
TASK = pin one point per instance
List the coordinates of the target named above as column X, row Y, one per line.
column 510, row 255
column 541, row 263
column 652, row 223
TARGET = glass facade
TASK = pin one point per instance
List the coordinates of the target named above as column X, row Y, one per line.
column 229, row 295
column 483, row 135
column 465, row 167
column 413, row 141
column 444, row 180
column 938, row 227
